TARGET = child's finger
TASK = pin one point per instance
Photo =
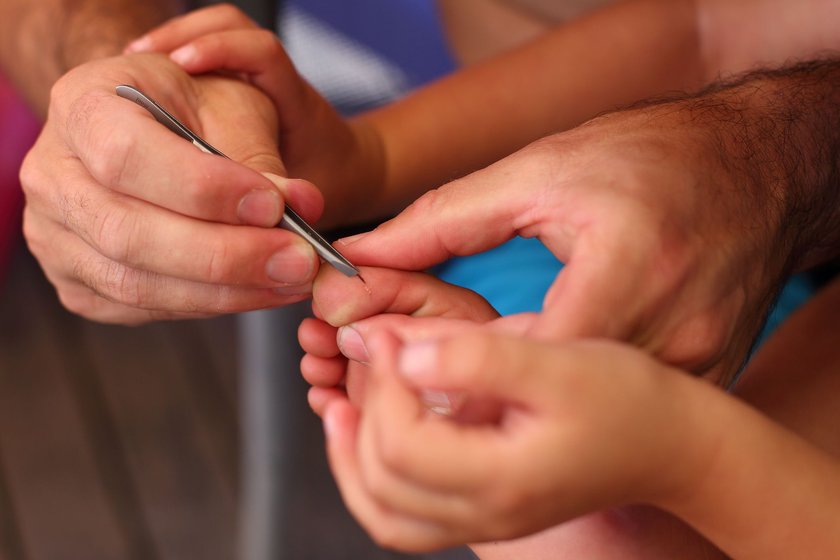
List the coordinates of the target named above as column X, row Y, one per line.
column 323, row 372
column 380, row 461
column 488, row 364
column 318, row 338
column 389, row 529
column 343, row 300
column 183, row 29
column 417, row 446
column 352, row 338
column 247, row 51
column 319, row 398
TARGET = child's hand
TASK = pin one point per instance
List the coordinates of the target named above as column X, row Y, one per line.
column 315, row 142
column 584, row 426
column 416, row 305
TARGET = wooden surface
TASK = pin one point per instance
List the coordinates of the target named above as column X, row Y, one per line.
column 122, row 443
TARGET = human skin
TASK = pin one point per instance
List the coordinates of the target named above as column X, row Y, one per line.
column 482, row 112
column 402, row 150
column 41, row 40
column 120, row 176
column 810, row 240
column 677, row 222
column 614, row 420
column 748, row 516
column 122, row 227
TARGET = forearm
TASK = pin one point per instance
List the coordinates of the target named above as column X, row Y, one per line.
column 764, row 493
column 777, row 133
column 466, row 121
column 41, row 40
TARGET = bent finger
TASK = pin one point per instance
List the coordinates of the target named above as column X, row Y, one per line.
column 467, row 216
column 342, row 300
column 126, row 150
column 389, row 529
column 183, row 29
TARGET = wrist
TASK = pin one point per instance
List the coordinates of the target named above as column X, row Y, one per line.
column 356, row 187
column 762, row 491
column 781, row 133
column 695, row 431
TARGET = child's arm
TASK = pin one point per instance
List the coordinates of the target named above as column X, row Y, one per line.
column 611, row 57
column 585, row 426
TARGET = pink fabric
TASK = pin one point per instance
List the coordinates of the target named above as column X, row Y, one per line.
column 18, row 130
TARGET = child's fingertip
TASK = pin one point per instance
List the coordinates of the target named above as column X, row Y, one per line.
column 141, row 44
column 184, row 55
column 418, row 361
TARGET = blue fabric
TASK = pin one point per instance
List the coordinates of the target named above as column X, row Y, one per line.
column 796, row 292
column 513, row 277
column 406, row 32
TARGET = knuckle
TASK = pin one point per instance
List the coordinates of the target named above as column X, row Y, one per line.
column 81, row 110
column 268, row 42
column 60, row 89
column 392, row 454
column 32, row 233
column 232, row 13
column 79, row 303
column 427, row 203
column 385, row 535
column 115, row 231
column 218, row 265
column 698, row 344
column 31, row 175
column 111, row 162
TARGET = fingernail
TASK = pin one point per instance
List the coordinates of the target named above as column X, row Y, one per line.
column 184, row 55
column 441, row 402
column 140, row 44
column 293, row 265
column 278, row 180
column 418, row 359
column 260, row 207
column 352, row 345
column 330, row 422
column 352, row 239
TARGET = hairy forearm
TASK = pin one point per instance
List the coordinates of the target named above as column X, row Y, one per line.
column 778, row 133
column 41, row 40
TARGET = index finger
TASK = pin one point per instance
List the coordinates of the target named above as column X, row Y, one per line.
column 465, row 217
column 126, row 150
column 431, row 452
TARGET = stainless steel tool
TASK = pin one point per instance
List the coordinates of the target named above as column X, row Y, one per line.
column 291, row 220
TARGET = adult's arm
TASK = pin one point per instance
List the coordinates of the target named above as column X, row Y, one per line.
column 677, row 221
column 40, row 40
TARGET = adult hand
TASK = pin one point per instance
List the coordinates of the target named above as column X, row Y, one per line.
column 666, row 245
column 132, row 223
column 343, row 157
column 613, row 418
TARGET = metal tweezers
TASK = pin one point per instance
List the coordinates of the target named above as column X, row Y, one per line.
column 291, row 220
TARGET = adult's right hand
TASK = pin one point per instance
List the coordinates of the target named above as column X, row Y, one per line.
column 667, row 245
column 131, row 223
